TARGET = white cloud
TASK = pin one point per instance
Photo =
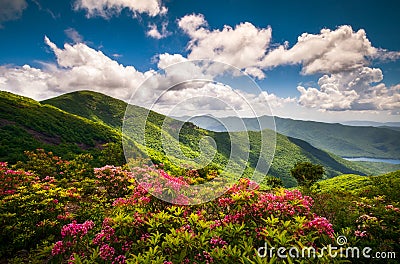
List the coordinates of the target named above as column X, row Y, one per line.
column 155, row 33
column 385, row 55
column 328, row 52
column 242, row 46
column 11, row 10
column 166, row 59
column 79, row 67
column 255, row 72
column 108, row 8
column 28, row 81
column 191, row 23
column 275, row 101
column 73, row 35
column 217, row 99
column 355, row 90
column 248, row 48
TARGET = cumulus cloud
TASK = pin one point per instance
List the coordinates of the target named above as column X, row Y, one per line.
column 166, row 59
column 73, row 35
column 217, row 99
column 328, row 52
column 28, row 81
column 248, row 48
column 242, row 46
column 78, row 67
column 108, row 8
column 355, row 90
column 155, row 33
column 11, row 10
column 274, row 101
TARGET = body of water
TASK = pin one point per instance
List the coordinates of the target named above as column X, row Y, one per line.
column 392, row 161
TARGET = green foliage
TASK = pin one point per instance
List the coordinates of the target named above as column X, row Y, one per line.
column 365, row 206
column 48, row 165
column 110, row 218
column 112, row 153
column 307, row 173
column 273, row 182
column 27, row 125
column 101, row 215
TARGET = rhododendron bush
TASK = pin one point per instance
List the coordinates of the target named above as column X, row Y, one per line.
column 108, row 217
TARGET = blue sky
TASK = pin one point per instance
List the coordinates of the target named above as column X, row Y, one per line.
column 348, row 71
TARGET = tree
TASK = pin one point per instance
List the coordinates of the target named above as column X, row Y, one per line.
column 307, row 173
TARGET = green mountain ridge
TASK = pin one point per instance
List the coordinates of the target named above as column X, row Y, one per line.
column 81, row 122
column 110, row 111
column 25, row 124
column 342, row 140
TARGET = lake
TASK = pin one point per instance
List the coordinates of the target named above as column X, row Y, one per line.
column 392, row 161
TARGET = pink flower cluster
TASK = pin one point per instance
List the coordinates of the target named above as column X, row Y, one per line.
column 244, row 184
column 106, row 234
column 321, row 224
column 204, row 256
column 10, row 180
column 217, row 241
column 107, row 252
column 115, row 180
column 76, row 230
column 359, row 233
column 156, row 181
column 225, row 201
column 58, row 248
column 121, row 259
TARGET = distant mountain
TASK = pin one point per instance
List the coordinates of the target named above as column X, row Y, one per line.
column 371, row 123
column 342, row 140
column 391, row 127
column 83, row 121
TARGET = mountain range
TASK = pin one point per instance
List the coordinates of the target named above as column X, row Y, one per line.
column 339, row 139
column 82, row 122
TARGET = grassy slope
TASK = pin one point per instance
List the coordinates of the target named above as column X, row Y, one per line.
column 110, row 111
column 358, row 185
column 26, row 124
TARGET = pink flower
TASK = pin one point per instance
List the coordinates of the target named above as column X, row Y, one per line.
column 58, row 248
column 322, row 225
column 145, row 236
column 107, row 252
column 358, row 233
column 74, row 230
column 121, row 259
column 217, row 241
